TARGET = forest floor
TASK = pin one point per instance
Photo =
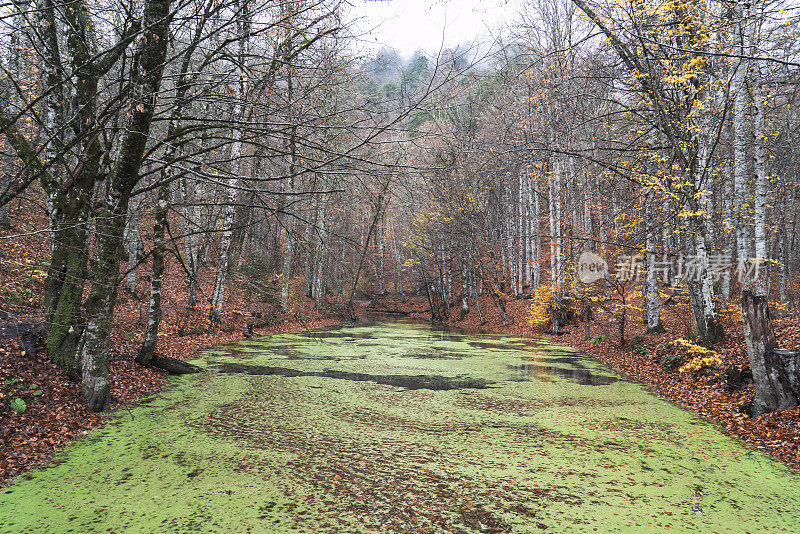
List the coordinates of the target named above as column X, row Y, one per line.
column 54, row 411
column 671, row 365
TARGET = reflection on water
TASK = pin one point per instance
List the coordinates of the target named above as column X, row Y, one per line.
column 577, row 373
column 432, row 382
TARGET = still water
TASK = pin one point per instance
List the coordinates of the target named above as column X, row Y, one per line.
column 398, row 427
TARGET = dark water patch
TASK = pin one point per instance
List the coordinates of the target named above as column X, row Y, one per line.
column 433, row 382
column 436, row 355
column 563, row 358
column 577, row 373
column 498, row 345
column 447, row 336
column 290, row 353
column 286, row 351
column 339, row 334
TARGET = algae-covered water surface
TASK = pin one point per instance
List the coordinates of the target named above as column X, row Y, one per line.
column 395, row 427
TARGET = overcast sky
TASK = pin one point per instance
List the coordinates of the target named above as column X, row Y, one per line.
column 410, row 25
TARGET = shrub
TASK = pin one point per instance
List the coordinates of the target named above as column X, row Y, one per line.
column 700, row 358
column 541, row 310
column 18, row 405
column 671, row 361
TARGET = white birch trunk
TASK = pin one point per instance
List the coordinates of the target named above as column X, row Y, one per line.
column 761, row 287
column 727, row 227
column 528, row 225
column 503, row 235
column 192, row 194
column 512, row 254
column 537, row 244
column 559, row 243
column 552, row 202
column 667, row 240
column 603, row 221
column 398, row 265
column 653, row 308
column 740, row 181
column 784, row 256
column 286, row 269
column 134, row 248
column 521, row 235
column 218, row 300
column 319, row 284
column 701, row 288
column 381, row 261
column 587, row 219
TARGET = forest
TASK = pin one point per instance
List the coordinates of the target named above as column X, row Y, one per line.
column 613, row 176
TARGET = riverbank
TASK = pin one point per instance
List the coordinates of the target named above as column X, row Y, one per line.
column 668, row 363
column 54, row 411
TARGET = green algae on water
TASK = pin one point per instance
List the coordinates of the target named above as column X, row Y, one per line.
column 554, row 441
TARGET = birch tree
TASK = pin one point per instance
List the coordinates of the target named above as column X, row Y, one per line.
column 237, row 115
column 672, row 99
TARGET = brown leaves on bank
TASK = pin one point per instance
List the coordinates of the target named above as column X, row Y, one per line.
column 58, row 414
column 50, row 419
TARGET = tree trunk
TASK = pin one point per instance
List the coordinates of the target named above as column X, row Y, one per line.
column 478, row 306
column 381, row 261
column 740, row 182
column 666, row 239
column 653, row 310
column 552, row 212
column 308, row 244
column 727, row 226
column 16, row 66
column 66, row 277
column 154, row 310
column 522, row 238
column 555, row 245
column 772, row 381
column 242, row 34
column 783, row 245
column 701, row 288
column 587, row 334
column 135, row 248
column 760, row 201
column 559, row 240
column 111, row 222
column 537, row 244
column 191, row 194
column 319, row 271
column 174, row 366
